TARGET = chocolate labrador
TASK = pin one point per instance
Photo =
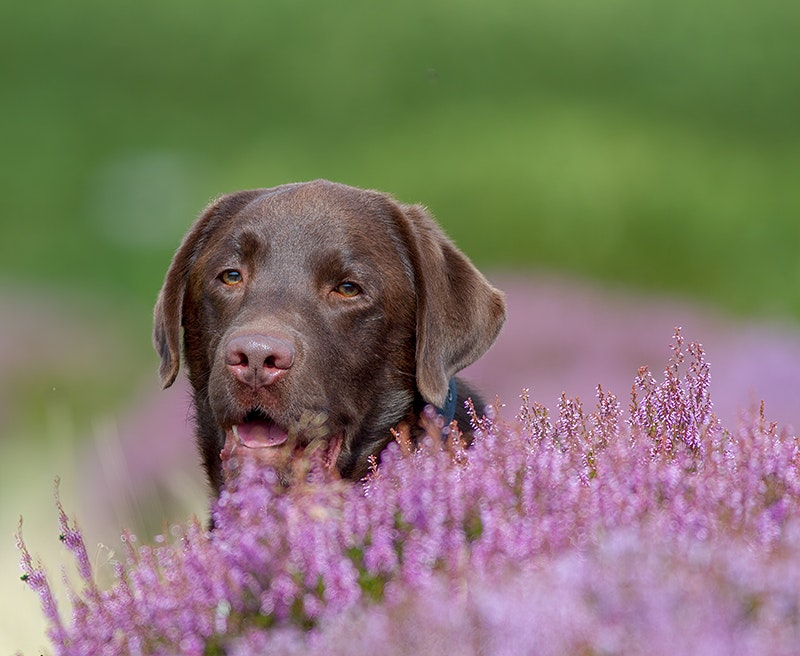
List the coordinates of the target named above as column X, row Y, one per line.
column 319, row 313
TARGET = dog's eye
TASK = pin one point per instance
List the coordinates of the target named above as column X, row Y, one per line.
column 348, row 289
column 231, row 277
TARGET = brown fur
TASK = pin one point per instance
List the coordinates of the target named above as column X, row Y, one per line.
column 366, row 363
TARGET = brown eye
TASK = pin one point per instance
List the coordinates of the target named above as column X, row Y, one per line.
column 231, row 277
column 348, row 289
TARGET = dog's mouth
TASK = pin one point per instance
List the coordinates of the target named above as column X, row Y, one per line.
column 258, row 431
column 260, row 437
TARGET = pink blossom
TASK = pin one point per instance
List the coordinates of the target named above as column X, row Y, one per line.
column 657, row 532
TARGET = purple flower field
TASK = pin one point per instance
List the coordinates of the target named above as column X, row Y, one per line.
column 639, row 526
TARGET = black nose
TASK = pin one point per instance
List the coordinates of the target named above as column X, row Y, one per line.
column 258, row 360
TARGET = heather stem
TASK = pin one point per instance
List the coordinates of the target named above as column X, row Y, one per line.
column 36, row 578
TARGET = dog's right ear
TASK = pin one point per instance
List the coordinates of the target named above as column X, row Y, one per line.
column 168, row 312
column 459, row 313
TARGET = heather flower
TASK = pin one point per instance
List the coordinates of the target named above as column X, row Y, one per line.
column 658, row 532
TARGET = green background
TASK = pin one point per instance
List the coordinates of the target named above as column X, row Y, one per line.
column 652, row 143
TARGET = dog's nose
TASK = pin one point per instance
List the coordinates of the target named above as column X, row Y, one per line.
column 258, row 360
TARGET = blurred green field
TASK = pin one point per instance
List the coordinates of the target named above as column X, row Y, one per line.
column 649, row 143
column 646, row 144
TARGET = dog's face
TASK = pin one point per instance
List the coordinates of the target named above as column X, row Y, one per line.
column 317, row 312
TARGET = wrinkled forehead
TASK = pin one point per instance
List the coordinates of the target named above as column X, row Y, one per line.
column 319, row 210
column 324, row 219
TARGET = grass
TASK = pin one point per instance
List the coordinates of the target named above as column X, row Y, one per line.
column 648, row 144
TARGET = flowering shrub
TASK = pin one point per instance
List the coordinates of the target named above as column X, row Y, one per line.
column 654, row 531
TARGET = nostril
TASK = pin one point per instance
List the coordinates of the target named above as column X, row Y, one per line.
column 234, row 358
column 278, row 354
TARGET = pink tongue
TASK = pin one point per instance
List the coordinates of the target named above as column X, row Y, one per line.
column 259, row 433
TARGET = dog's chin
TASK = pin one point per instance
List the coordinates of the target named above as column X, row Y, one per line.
column 258, row 438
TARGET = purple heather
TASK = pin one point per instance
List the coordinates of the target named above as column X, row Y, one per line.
column 654, row 532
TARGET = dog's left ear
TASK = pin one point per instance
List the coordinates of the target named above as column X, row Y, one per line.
column 458, row 312
column 168, row 312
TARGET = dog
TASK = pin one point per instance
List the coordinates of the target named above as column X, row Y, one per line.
column 319, row 313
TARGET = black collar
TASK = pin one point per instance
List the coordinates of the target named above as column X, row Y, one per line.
column 448, row 410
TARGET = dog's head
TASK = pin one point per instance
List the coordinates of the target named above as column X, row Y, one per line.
column 317, row 310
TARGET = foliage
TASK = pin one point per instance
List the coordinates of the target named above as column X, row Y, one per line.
column 654, row 532
column 598, row 138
